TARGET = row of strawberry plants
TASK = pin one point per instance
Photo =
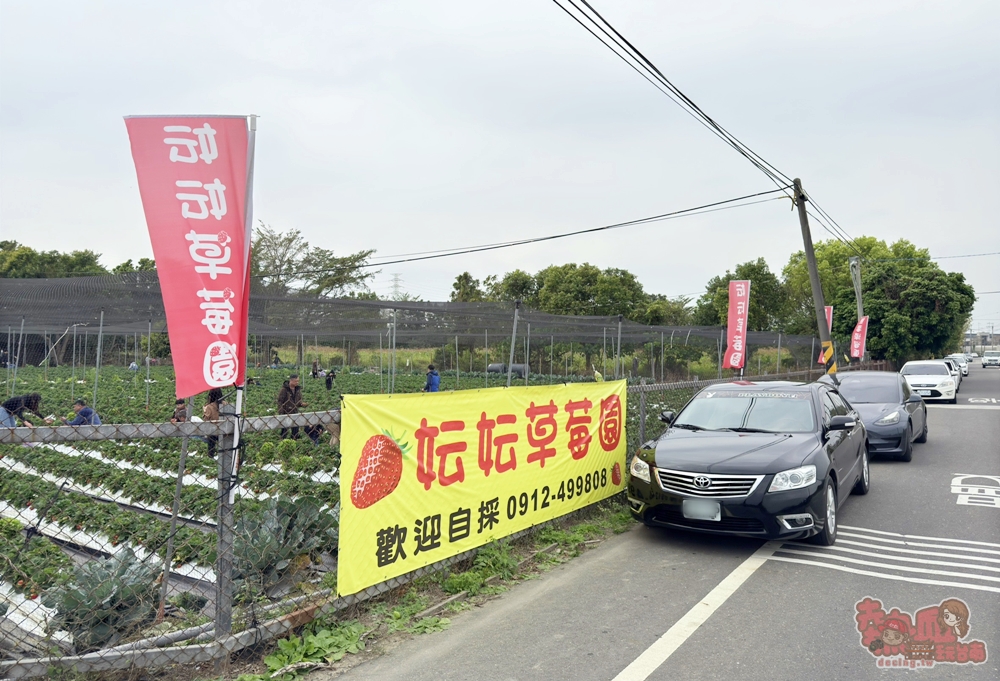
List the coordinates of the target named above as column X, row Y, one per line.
column 81, row 512
column 32, row 564
column 194, row 500
column 255, row 480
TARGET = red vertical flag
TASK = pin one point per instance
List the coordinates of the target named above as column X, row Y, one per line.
column 739, row 308
column 193, row 181
column 859, row 338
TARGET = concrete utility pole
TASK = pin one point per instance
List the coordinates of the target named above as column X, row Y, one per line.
column 856, row 279
column 829, row 357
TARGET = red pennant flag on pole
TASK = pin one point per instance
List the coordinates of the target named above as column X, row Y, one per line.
column 859, row 338
column 194, row 177
column 736, row 328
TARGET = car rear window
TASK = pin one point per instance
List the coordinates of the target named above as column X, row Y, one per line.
column 790, row 412
column 870, row 390
column 925, row 370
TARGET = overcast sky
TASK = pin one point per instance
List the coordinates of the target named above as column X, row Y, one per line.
column 412, row 126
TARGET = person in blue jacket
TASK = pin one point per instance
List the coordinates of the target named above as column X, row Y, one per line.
column 85, row 416
column 433, row 380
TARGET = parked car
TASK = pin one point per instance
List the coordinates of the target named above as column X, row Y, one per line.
column 955, row 371
column 962, row 362
column 773, row 459
column 991, row 358
column 894, row 416
column 932, row 379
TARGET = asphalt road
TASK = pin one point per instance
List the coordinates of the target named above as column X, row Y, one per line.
column 924, row 534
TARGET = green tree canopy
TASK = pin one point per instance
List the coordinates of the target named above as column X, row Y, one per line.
column 768, row 298
column 23, row 262
column 284, row 262
column 466, row 289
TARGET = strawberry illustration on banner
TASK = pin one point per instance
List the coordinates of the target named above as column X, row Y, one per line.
column 739, row 310
column 194, row 180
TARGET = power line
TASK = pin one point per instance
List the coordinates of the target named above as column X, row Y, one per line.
column 628, row 53
column 687, row 212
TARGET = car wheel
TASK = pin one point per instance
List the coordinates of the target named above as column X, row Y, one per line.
column 829, row 534
column 908, row 446
column 863, row 484
column 954, row 400
column 922, row 438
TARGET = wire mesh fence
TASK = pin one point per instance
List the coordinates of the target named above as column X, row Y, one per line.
column 152, row 539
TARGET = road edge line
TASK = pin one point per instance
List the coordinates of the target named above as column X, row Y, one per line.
column 655, row 655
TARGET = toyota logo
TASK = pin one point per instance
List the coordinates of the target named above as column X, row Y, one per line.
column 702, row 481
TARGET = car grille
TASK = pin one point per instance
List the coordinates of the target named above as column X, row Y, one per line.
column 882, row 445
column 719, row 486
column 673, row 515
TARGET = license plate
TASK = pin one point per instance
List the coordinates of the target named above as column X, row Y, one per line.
column 924, row 392
column 701, row 509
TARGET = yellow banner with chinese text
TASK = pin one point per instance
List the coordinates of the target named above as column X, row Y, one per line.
column 427, row 476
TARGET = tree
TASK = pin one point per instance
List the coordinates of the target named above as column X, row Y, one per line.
column 516, row 285
column 466, row 289
column 23, row 262
column 768, row 298
column 284, row 262
column 663, row 311
column 145, row 265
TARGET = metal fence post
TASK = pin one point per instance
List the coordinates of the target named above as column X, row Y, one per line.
column 224, row 560
column 642, row 412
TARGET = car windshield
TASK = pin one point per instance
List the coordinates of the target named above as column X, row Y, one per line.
column 992, row 353
column 925, row 370
column 864, row 390
column 770, row 412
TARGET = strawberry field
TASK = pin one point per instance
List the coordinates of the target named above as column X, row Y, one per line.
column 85, row 526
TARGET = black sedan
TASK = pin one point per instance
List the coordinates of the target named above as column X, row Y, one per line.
column 894, row 416
column 771, row 460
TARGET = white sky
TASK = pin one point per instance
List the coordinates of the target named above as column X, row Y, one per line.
column 410, row 126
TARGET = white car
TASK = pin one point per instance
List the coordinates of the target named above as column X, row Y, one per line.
column 932, row 379
column 956, row 371
column 962, row 362
column 991, row 358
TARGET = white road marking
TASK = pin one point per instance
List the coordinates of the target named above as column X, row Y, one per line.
column 962, row 406
column 915, row 552
column 925, row 561
column 880, row 575
column 915, row 543
column 920, row 536
column 656, row 654
column 902, row 568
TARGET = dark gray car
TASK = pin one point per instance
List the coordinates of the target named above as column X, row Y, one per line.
column 894, row 415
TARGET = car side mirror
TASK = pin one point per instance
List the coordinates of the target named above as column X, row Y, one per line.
column 667, row 417
column 842, row 423
column 914, row 397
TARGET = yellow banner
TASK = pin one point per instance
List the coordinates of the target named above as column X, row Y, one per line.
column 429, row 475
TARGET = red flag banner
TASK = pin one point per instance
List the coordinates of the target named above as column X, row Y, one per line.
column 192, row 173
column 859, row 338
column 739, row 308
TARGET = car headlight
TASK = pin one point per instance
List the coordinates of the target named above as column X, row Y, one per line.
column 639, row 469
column 947, row 384
column 793, row 479
column 888, row 420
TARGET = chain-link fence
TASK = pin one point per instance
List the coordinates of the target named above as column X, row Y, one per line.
column 145, row 544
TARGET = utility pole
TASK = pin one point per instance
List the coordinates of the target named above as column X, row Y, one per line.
column 856, row 279
column 829, row 357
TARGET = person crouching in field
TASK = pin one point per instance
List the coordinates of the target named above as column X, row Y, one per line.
column 433, row 380
column 15, row 408
column 211, row 413
column 289, row 401
column 85, row 416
